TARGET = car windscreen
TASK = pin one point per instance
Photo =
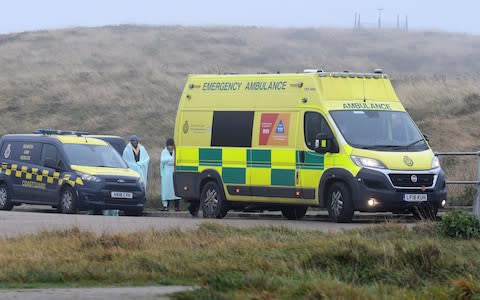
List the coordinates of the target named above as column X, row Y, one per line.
column 379, row 130
column 94, row 155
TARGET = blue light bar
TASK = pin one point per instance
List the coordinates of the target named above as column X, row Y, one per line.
column 59, row 132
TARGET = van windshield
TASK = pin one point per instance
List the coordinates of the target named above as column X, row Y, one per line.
column 379, row 130
column 94, row 156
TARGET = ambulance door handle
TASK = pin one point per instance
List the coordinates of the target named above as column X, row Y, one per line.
column 302, row 156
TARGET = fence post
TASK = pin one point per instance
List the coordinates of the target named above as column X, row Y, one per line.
column 476, row 206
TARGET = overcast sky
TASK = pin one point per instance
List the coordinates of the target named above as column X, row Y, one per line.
column 25, row 15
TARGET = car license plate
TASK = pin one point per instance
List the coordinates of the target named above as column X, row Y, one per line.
column 415, row 197
column 122, row 195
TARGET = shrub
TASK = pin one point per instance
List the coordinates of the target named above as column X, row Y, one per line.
column 458, row 224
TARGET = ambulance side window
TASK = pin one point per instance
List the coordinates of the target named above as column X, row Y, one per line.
column 232, row 129
column 314, row 124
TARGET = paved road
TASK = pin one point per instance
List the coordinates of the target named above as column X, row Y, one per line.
column 32, row 219
column 138, row 293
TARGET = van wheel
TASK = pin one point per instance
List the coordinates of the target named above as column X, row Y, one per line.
column 68, row 201
column 294, row 213
column 425, row 212
column 340, row 206
column 213, row 202
column 5, row 203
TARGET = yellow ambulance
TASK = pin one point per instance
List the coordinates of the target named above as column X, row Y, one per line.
column 337, row 140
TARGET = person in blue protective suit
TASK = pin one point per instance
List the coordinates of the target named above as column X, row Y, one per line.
column 137, row 158
column 167, row 161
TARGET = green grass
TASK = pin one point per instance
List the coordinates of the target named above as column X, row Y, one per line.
column 383, row 262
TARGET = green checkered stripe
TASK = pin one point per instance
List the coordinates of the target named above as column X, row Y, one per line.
column 256, row 158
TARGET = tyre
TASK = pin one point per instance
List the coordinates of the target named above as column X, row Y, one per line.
column 68, row 201
column 194, row 208
column 133, row 213
column 5, row 203
column 294, row 213
column 213, row 202
column 340, row 206
column 425, row 212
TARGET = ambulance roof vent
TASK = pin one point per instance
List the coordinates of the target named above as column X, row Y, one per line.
column 59, row 132
column 378, row 71
column 313, row 71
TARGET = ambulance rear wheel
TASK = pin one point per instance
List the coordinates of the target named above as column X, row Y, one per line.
column 294, row 213
column 213, row 201
column 340, row 206
column 68, row 201
column 5, row 203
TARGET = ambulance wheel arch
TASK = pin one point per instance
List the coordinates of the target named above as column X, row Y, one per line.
column 211, row 185
column 330, row 177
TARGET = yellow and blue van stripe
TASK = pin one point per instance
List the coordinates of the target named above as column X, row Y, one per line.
column 37, row 175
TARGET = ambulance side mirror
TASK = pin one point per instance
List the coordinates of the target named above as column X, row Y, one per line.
column 325, row 143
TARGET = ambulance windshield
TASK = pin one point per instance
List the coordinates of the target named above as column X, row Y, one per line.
column 94, row 156
column 379, row 130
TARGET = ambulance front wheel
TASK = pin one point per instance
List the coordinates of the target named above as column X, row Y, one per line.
column 5, row 203
column 68, row 200
column 340, row 206
column 212, row 201
column 294, row 213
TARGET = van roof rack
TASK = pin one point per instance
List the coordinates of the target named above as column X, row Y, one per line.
column 60, row 132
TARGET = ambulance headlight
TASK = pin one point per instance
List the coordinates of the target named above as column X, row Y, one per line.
column 87, row 177
column 435, row 163
column 367, row 162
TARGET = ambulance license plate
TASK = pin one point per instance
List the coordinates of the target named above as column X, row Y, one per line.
column 415, row 197
column 122, row 195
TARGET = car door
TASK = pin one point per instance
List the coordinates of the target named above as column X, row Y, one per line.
column 311, row 164
column 51, row 174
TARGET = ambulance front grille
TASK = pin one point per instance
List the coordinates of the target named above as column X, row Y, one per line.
column 412, row 180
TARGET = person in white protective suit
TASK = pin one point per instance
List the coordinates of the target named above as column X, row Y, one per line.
column 137, row 158
column 167, row 162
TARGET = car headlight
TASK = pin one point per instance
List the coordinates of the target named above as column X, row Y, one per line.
column 435, row 162
column 88, row 177
column 367, row 162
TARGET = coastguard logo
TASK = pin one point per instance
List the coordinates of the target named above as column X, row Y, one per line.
column 8, row 151
column 407, row 161
column 186, row 127
column 414, row 178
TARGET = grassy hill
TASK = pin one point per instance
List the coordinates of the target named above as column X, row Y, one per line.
column 128, row 79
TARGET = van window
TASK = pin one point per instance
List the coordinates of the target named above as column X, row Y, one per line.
column 25, row 152
column 232, row 129
column 315, row 123
column 50, row 152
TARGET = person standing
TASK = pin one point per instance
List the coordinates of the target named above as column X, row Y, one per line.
column 167, row 161
column 137, row 158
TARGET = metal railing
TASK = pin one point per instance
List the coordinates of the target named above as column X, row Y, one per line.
column 476, row 205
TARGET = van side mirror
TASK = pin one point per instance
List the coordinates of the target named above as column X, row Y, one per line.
column 427, row 138
column 50, row 163
column 325, row 143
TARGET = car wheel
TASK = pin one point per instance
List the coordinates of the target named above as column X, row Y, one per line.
column 294, row 213
column 340, row 206
column 213, row 202
column 5, row 203
column 425, row 212
column 68, row 201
